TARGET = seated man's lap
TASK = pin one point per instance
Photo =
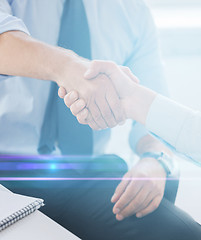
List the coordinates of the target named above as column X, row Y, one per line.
column 84, row 207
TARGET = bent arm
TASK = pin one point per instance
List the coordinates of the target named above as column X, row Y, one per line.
column 179, row 126
column 170, row 121
column 21, row 55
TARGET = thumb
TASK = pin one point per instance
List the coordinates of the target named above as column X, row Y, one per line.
column 99, row 67
column 91, row 73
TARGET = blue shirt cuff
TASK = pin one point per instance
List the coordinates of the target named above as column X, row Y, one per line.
column 11, row 23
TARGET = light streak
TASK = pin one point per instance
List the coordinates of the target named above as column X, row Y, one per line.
column 93, row 179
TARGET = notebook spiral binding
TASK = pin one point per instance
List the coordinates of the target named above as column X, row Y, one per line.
column 21, row 214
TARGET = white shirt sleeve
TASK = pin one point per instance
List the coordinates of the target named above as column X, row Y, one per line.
column 176, row 124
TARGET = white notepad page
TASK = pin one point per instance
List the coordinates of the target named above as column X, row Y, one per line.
column 11, row 204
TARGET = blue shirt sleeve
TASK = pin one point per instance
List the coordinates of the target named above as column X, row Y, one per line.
column 8, row 22
column 145, row 62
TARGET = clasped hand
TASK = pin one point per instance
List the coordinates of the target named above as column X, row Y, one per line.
column 92, row 97
column 103, row 104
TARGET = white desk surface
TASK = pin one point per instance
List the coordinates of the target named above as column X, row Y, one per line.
column 36, row 226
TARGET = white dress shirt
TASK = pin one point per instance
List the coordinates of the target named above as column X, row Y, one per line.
column 122, row 31
column 178, row 125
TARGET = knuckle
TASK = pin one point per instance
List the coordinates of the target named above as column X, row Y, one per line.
column 81, row 103
column 126, row 176
column 72, row 109
column 127, row 69
column 125, row 213
column 119, row 119
column 84, row 114
column 66, row 101
column 94, row 63
column 93, row 126
column 104, row 80
column 112, row 64
column 80, row 120
column 155, row 205
column 121, row 205
column 112, row 124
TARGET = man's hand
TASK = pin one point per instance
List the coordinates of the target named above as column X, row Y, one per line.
column 140, row 191
column 97, row 95
column 122, row 79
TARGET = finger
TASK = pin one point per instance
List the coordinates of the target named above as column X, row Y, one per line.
column 131, row 191
column 70, row 98
column 115, row 106
column 77, row 106
column 62, row 92
column 83, row 116
column 94, row 116
column 121, row 187
column 133, row 205
column 97, row 67
column 105, row 112
column 147, row 201
column 151, row 207
column 138, row 202
column 129, row 73
column 97, row 116
column 92, row 123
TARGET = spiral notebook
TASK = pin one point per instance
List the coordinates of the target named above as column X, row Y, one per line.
column 14, row 207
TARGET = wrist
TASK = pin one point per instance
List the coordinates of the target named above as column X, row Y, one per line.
column 151, row 144
column 165, row 160
column 62, row 65
column 137, row 105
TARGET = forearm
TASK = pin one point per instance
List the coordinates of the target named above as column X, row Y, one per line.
column 21, row 55
column 179, row 126
column 138, row 104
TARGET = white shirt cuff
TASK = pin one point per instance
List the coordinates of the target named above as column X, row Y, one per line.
column 166, row 119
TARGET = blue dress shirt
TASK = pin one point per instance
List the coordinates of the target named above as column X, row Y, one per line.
column 122, row 31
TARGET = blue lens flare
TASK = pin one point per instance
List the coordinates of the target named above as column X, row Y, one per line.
column 59, row 168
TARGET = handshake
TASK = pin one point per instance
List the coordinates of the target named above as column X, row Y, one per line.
column 105, row 94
